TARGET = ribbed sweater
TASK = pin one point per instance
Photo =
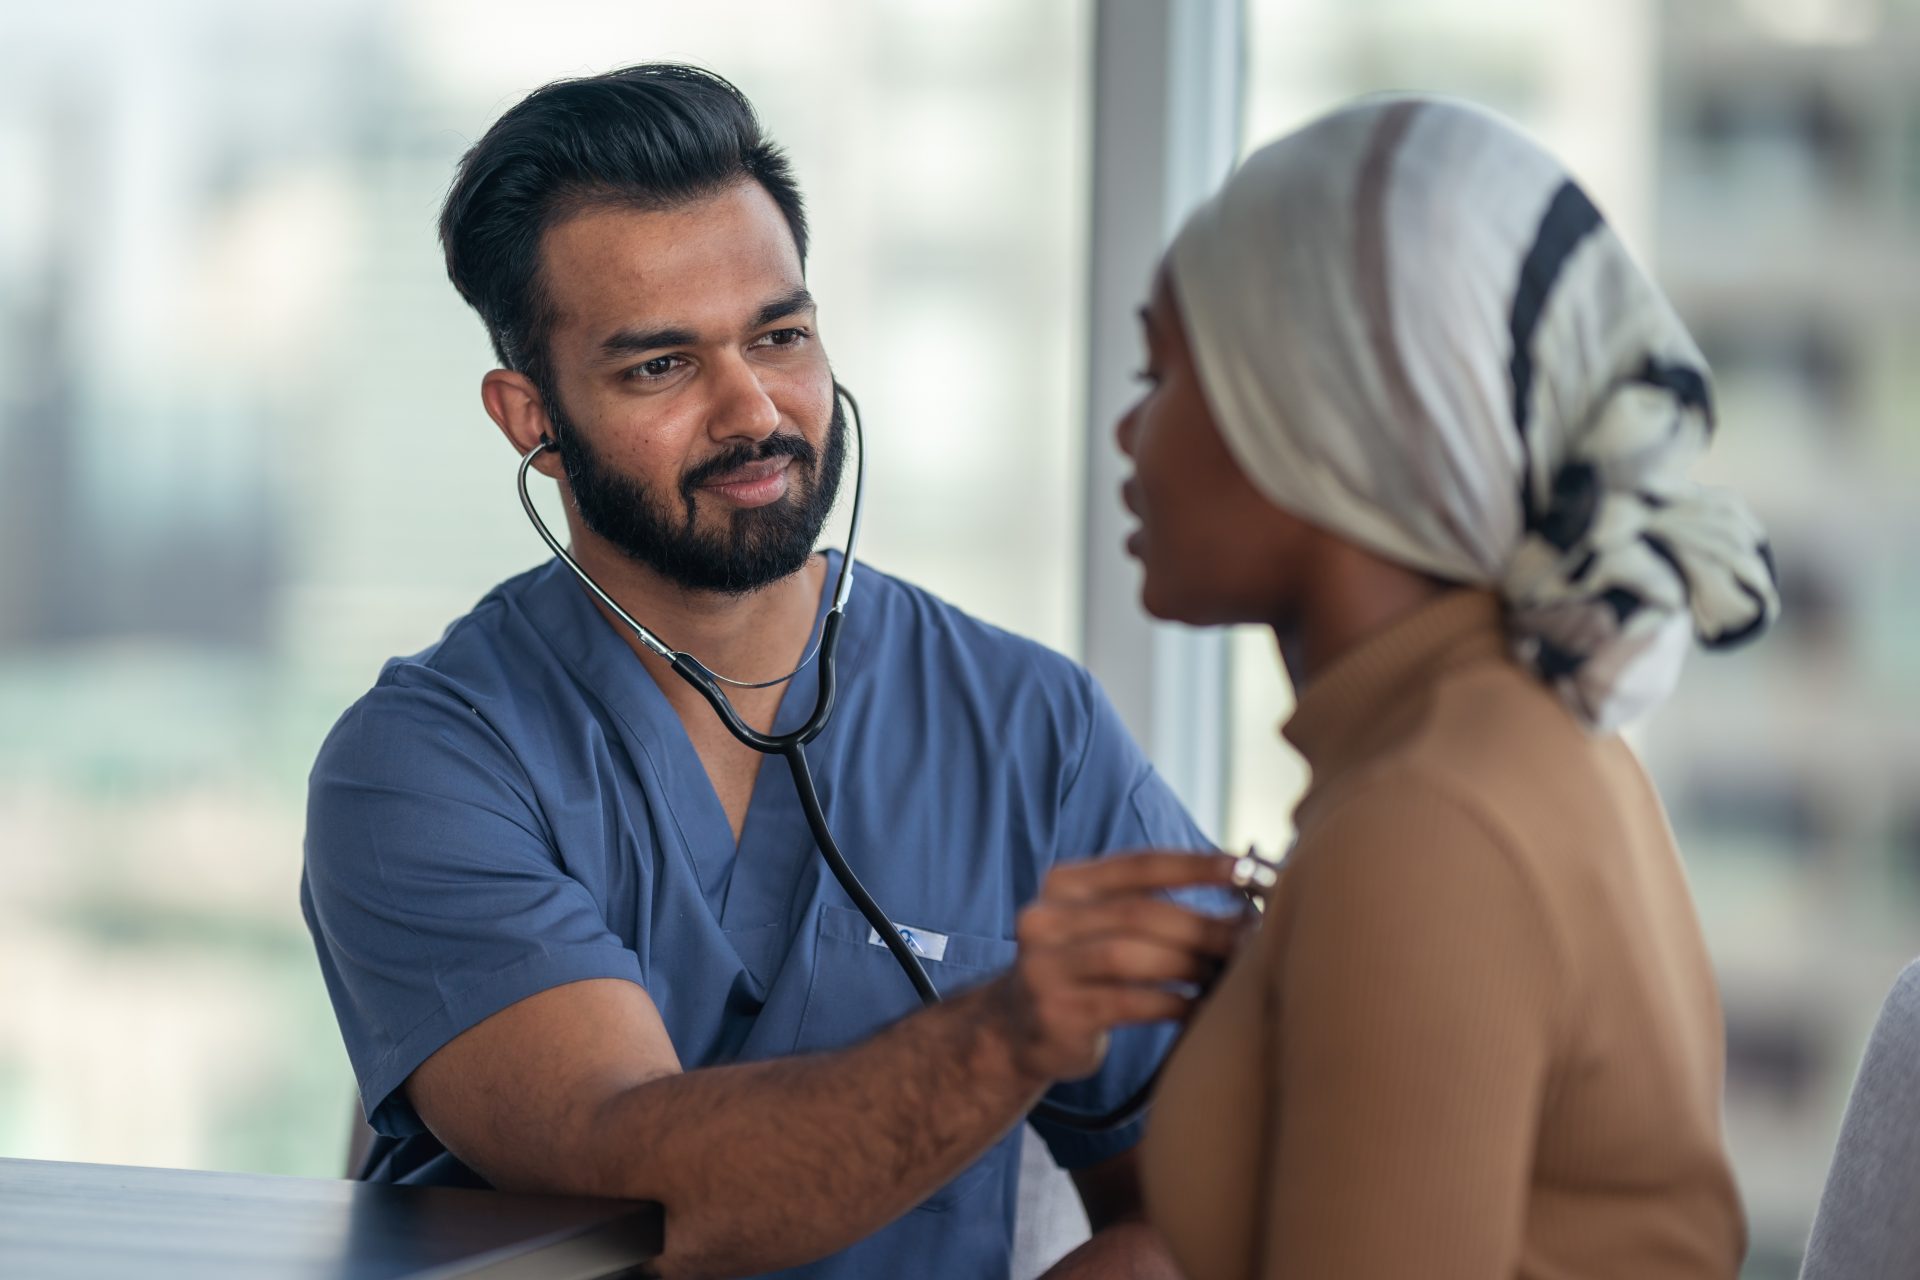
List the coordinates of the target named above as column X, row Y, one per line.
column 1477, row 1034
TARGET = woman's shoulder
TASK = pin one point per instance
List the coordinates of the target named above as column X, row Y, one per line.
column 1490, row 791
column 1397, row 820
column 1508, row 751
column 1408, row 873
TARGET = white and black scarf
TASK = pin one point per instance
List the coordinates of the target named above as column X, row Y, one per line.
column 1416, row 331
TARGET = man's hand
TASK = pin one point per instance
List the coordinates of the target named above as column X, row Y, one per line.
column 1101, row 947
column 772, row 1164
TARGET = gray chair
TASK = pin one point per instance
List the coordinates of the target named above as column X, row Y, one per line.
column 1868, row 1223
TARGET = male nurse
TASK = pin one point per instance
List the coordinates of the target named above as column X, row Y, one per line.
column 577, row 936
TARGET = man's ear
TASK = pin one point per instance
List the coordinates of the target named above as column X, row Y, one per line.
column 515, row 406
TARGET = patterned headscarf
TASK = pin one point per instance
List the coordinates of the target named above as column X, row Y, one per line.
column 1415, row 331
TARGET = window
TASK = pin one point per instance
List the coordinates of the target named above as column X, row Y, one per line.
column 252, row 463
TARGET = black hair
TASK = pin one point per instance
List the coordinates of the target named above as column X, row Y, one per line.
column 650, row 136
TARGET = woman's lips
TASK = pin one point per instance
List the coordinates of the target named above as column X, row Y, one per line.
column 754, row 485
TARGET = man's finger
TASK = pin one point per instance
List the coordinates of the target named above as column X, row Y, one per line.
column 1119, row 1006
column 1136, row 873
column 1143, row 916
column 1140, row 961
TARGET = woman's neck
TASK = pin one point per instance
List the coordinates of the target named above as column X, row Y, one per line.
column 1345, row 597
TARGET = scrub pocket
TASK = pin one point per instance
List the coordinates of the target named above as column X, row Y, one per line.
column 858, row 988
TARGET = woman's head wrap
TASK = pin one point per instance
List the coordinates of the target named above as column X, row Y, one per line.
column 1415, row 331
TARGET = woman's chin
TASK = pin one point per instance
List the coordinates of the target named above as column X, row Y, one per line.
column 1179, row 602
column 1168, row 606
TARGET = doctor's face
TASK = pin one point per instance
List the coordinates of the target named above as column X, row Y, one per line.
column 1213, row 548
column 692, row 400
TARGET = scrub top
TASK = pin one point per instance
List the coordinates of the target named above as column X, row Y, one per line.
column 519, row 807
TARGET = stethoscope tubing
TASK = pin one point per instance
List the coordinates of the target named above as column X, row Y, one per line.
column 791, row 746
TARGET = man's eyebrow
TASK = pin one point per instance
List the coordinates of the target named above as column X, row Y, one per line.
column 798, row 300
column 629, row 342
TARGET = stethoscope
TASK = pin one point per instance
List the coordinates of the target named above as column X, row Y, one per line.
column 792, row 748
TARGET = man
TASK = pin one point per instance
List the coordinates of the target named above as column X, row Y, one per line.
column 577, row 938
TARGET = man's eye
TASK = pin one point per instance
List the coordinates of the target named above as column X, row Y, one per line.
column 785, row 337
column 658, row 367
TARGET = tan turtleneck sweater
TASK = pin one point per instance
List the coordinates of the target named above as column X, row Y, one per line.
column 1477, row 1035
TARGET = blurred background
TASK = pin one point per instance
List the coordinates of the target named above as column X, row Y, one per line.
column 247, row 461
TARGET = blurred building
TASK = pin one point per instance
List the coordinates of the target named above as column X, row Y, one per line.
column 1788, row 187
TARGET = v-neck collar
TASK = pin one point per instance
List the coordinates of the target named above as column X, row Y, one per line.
column 562, row 609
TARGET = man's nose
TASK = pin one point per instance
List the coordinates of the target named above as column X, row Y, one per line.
column 741, row 407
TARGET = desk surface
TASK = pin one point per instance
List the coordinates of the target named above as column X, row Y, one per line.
column 81, row 1221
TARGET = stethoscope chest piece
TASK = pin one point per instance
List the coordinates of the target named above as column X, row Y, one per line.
column 1256, row 875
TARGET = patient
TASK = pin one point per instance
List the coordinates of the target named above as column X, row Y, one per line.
column 1411, row 404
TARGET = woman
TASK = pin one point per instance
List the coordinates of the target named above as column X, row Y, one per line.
column 1411, row 404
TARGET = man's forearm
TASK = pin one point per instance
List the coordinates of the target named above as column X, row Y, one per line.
column 770, row 1164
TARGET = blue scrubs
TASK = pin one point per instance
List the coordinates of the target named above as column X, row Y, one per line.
column 519, row 807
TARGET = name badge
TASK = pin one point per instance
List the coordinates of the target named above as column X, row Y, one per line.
column 924, row 943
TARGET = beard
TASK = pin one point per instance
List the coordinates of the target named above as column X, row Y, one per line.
column 756, row 547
